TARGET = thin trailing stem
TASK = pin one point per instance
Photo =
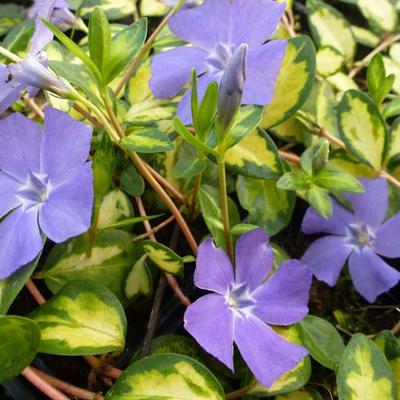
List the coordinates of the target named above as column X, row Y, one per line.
column 238, row 393
column 195, row 194
column 34, row 291
column 155, row 230
column 146, row 48
column 225, row 209
column 41, row 384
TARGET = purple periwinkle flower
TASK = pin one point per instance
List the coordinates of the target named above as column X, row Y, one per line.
column 216, row 29
column 46, row 185
column 360, row 237
column 60, row 16
column 245, row 301
column 31, row 72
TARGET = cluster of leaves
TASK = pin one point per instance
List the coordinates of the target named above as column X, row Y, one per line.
column 342, row 126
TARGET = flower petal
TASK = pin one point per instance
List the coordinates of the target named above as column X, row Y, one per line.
column 386, row 242
column 266, row 354
column 42, row 35
column 68, row 209
column 283, row 299
column 210, row 321
column 263, row 66
column 370, row 274
column 8, row 194
column 10, row 91
column 313, row 222
column 171, row 70
column 20, row 141
column 374, row 198
column 326, row 258
column 20, row 241
column 230, row 22
column 66, row 144
column 254, row 258
column 184, row 111
column 214, row 270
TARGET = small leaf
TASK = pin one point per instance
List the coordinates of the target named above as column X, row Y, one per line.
column 364, row 373
column 294, row 181
column 83, row 318
column 99, row 38
column 19, row 343
column 188, row 168
column 330, row 28
column 294, row 82
column 124, row 46
column 362, row 128
column 382, row 17
column 166, row 376
column 337, row 180
column 147, row 140
column 320, row 200
column 322, row 340
column 268, row 206
column 131, row 181
column 162, row 256
column 139, row 281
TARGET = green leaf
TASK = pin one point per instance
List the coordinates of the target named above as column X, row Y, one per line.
column 320, row 200
column 193, row 140
column 392, row 109
column 19, row 343
column 83, row 318
column 165, row 258
column 330, row 28
column 10, row 16
column 205, row 114
column 10, row 287
column 382, row 17
column 329, row 61
column 17, row 40
column 132, row 182
column 364, row 373
column 124, row 46
column 294, row 82
column 302, row 394
column 210, row 206
column 338, row 180
column 129, row 222
column 74, row 49
column 394, row 143
column 365, row 36
column 322, row 341
column 114, row 208
column 153, row 8
column 147, row 140
column 291, row 380
column 256, row 155
column 110, row 263
column 246, row 120
column 294, row 181
column 166, row 376
column 115, row 9
column 188, row 168
column 362, row 128
column 375, row 74
column 139, row 281
column 99, row 38
column 268, row 206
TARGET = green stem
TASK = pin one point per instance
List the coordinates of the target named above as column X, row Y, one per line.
column 13, row 57
column 224, row 208
column 196, row 190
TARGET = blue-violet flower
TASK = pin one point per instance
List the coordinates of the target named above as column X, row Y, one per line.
column 245, row 301
column 216, row 29
column 46, row 185
column 360, row 237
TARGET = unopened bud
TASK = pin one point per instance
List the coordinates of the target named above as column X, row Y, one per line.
column 231, row 88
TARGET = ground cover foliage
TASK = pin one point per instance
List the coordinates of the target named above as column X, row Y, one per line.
column 200, row 199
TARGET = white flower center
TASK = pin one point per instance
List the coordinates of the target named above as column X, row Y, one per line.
column 239, row 298
column 219, row 58
column 360, row 234
column 35, row 190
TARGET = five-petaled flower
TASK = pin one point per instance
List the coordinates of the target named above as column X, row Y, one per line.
column 245, row 301
column 358, row 236
column 31, row 72
column 46, row 185
column 216, row 29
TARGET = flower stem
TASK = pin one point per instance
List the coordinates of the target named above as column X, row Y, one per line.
column 224, row 208
column 147, row 46
column 13, row 57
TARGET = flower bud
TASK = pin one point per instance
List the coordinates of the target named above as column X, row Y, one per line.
column 231, row 88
